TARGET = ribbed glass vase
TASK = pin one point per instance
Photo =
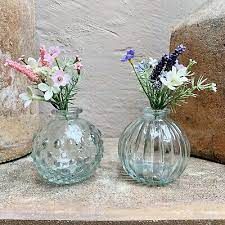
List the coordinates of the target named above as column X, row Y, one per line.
column 68, row 149
column 153, row 149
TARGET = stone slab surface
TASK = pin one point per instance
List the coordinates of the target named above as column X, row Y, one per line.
column 110, row 196
column 168, row 222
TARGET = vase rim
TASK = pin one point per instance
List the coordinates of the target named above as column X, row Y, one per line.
column 158, row 111
column 157, row 114
column 70, row 111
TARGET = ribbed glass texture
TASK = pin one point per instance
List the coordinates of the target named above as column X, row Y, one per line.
column 68, row 149
column 153, row 149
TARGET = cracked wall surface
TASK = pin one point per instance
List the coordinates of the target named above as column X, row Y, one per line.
column 100, row 31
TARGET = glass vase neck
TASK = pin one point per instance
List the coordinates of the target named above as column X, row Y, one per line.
column 71, row 113
column 156, row 114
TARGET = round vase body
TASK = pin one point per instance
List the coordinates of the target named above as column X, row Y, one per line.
column 153, row 149
column 68, row 149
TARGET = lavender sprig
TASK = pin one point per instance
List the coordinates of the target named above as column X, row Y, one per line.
column 166, row 63
column 173, row 57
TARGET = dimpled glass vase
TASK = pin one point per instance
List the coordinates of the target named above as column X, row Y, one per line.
column 68, row 149
column 153, row 149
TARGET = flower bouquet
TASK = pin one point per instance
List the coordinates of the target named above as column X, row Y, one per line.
column 53, row 80
column 166, row 82
column 68, row 149
column 153, row 149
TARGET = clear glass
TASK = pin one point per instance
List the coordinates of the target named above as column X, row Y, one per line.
column 153, row 149
column 67, row 149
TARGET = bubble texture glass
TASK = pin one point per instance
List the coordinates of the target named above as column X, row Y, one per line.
column 68, row 149
column 153, row 149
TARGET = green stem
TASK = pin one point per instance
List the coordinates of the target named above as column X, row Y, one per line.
column 23, row 60
column 38, row 98
column 138, row 78
column 64, row 68
column 73, row 64
column 57, row 63
column 54, row 104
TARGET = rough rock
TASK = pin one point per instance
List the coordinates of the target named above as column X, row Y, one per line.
column 203, row 118
column 17, row 25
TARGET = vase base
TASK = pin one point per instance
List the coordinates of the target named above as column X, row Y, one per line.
column 151, row 174
column 65, row 180
column 152, row 183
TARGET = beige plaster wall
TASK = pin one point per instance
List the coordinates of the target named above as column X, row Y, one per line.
column 100, row 31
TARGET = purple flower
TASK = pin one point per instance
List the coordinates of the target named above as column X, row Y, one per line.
column 155, row 76
column 174, row 56
column 49, row 59
column 180, row 49
column 166, row 63
column 53, row 53
column 129, row 55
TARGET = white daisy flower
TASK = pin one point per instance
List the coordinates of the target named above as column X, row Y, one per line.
column 153, row 62
column 48, row 90
column 174, row 78
column 214, row 87
column 29, row 96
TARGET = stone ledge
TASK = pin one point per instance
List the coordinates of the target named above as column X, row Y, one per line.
column 147, row 222
column 110, row 196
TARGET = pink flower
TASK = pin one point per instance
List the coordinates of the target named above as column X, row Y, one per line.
column 22, row 69
column 52, row 54
column 42, row 60
column 61, row 79
column 78, row 66
column 47, row 57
